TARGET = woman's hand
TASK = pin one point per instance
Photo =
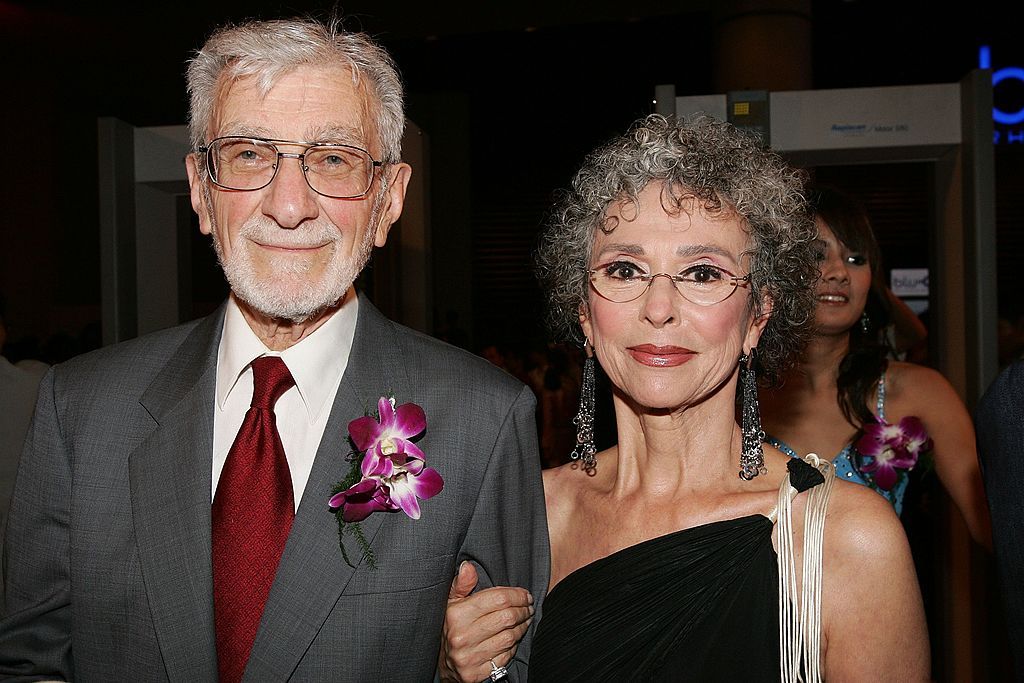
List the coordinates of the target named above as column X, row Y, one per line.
column 481, row 627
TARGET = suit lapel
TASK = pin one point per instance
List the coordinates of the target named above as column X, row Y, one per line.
column 313, row 574
column 170, row 481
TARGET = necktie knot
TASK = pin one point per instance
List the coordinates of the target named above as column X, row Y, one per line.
column 270, row 379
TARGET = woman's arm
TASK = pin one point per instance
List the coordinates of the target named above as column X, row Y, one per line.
column 931, row 397
column 872, row 613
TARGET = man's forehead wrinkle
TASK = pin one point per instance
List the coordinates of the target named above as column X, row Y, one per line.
column 328, row 101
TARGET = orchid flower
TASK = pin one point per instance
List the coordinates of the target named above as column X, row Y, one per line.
column 393, row 470
column 892, row 447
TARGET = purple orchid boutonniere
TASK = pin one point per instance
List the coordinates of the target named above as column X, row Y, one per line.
column 893, row 449
column 389, row 471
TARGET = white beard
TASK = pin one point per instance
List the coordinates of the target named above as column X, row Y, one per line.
column 289, row 293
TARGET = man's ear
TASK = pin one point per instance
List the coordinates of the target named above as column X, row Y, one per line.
column 394, row 201
column 196, row 182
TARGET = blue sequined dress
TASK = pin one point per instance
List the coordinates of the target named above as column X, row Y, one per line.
column 845, row 466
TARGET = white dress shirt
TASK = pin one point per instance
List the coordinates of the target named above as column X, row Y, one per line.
column 317, row 363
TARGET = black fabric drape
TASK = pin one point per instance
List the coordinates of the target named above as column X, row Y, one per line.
column 699, row 604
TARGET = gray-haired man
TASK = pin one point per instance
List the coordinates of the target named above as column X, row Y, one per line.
column 164, row 529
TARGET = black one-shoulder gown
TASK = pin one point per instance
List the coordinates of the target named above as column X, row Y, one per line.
column 698, row 604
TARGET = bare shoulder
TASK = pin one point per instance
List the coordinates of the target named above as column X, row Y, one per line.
column 918, row 390
column 561, row 489
column 569, row 491
column 556, row 479
column 911, row 378
column 861, row 526
column 570, row 480
column 555, row 483
column 871, row 609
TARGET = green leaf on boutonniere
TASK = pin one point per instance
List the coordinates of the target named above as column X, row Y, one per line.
column 348, row 482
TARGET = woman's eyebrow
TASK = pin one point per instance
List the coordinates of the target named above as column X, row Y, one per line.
column 622, row 248
column 697, row 249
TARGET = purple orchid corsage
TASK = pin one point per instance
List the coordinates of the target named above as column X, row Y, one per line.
column 389, row 471
column 891, row 450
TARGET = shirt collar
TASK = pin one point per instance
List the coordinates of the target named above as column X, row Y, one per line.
column 316, row 363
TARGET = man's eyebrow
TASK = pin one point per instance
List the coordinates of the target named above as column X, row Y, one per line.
column 235, row 128
column 348, row 135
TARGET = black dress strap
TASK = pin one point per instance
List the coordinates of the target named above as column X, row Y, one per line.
column 803, row 475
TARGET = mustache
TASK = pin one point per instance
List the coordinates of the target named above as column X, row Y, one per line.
column 310, row 234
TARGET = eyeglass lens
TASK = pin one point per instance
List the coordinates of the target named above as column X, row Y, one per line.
column 332, row 170
column 704, row 287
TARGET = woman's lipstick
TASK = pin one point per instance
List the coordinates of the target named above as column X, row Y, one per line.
column 660, row 356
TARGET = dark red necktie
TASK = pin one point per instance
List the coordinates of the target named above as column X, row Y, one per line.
column 252, row 515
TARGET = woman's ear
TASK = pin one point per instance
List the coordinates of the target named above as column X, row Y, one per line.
column 588, row 328
column 758, row 322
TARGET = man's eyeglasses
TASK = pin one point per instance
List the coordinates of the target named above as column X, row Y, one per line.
column 702, row 284
column 337, row 171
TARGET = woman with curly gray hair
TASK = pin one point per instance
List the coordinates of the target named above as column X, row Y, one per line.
column 683, row 259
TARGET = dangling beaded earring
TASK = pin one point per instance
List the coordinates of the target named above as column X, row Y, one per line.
column 584, row 419
column 865, row 322
column 752, row 456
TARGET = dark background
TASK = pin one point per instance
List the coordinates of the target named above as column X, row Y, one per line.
column 511, row 97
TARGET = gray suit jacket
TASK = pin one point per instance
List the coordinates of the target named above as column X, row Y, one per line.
column 107, row 559
column 999, row 424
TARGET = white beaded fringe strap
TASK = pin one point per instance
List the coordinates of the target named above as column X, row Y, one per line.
column 800, row 622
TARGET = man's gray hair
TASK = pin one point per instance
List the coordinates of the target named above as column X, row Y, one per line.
column 267, row 50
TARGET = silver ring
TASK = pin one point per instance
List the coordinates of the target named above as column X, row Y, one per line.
column 498, row 673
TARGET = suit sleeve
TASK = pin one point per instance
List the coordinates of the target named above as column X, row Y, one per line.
column 35, row 629
column 508, row 536
column 1000, row 433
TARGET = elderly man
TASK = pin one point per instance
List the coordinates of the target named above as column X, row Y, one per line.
column 173, row 516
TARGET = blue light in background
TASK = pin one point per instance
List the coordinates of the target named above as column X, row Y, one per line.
column 984, row 57
column 1008, row 72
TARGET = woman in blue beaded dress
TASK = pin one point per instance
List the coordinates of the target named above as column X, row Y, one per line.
column 846, row 396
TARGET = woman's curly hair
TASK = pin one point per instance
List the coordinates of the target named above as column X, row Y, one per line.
column 724, row 169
